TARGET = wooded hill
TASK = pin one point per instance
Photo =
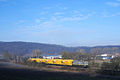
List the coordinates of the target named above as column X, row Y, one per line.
column 52, row 49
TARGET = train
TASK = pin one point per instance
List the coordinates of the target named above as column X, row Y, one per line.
column 65, row 62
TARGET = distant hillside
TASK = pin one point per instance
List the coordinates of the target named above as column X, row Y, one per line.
column 28, row 47
column 47, row 49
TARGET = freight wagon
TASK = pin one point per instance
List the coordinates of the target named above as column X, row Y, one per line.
column 69, row 62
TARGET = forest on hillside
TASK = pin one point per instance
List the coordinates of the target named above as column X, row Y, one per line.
column 52, row 49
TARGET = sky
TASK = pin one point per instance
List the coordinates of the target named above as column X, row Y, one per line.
column 62, row 22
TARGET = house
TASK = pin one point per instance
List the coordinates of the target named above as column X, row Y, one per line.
column 106, row 56
column 53, row 57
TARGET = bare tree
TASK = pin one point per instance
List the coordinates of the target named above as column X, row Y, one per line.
column 65, row 55
column 37, row 53
column 96, row 51
column 7, row 55
column 115, row 50
column 81, row 51
column 107, row 50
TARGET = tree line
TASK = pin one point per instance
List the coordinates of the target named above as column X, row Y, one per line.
column 80, row 54
column 20, row 57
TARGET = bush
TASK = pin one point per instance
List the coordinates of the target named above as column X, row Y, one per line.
column 26, row 61
column 41, row 64
column 112, row 68
column 93, row 65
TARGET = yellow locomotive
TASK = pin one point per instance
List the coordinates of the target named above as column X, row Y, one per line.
column 69, row 62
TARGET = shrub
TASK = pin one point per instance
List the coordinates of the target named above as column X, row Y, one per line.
column 111, row 68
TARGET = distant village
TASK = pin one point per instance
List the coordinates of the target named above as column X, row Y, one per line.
column 103, row 56
column 100, row 56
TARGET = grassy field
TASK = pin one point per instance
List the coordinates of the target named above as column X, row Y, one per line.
column 10, row 71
